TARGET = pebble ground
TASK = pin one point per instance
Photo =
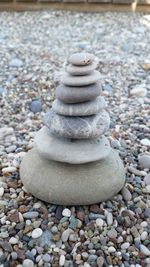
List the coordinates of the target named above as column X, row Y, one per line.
column 33, row 49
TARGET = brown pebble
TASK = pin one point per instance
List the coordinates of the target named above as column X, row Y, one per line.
column 80, row 215
column 13, row 263
column 23, row 209
column 12, row 184
column 21, row 254
column 14, row 217
column 95, row 208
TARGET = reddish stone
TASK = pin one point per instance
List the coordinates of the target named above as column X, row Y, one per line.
column 80, row 215
column 23, row 208
column 13, row 217
column 82, row 238
column 13, row 263
column 94, row 208
column 21, row 254
column 45, row 216
column 141, row 255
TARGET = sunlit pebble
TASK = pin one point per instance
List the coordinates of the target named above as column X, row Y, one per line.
column 1, row 191
column 145, row 142
column 13, row 240
column 62, row 260
column 144, row 224
column 66, row 213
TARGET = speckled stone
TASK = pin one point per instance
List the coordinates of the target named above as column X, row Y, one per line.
column 77, row 127
column 69, row 94
column 66, row 150
column 80, row 184
column 80, row 80
column 81, row 70
column 81, row 109
column 81, row 59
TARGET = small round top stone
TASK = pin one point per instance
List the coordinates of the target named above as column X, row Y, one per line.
column 81, row 59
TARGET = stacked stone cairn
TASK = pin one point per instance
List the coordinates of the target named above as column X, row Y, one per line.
column 72, row 162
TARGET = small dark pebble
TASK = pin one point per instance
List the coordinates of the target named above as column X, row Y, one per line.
column 3, row 259
column 6, row 264
column 147, row 213
column 58, row 213
column 26, row 238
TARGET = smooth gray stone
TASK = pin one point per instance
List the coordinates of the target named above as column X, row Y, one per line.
column 80, row 80
column 71, row 151
column 77, row 127
column 81, row 70
column 70, row 184
column 70, row 94
column 80, row 109
column 81, row 59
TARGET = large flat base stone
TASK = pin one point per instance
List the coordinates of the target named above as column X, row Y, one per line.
column 67, row 184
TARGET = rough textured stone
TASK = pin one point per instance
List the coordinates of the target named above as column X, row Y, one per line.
column 81, row 59
column 66, row 150
column 80, row 80
column 68, row 184
column 69, row 94
column 77, row 127
column 81, row 109
column 81, row 70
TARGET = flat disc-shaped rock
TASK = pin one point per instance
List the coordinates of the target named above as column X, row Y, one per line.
column 70, row 184
column 71, row 151
column 81, row 109
column 81, row 59
column 80, row 80
column 81, row 70
column 70, row 94
column 77, row 127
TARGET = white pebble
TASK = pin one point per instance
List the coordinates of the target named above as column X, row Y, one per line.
column 144, row 235
column 145, row 250
column 1, row 191
column 111, row 249
column 145, row 142
column 86, row 265
column 66, row 213
column 139, row 91
column 37, row 205
column 28, row 263
column 37, row 233
column 13, row 240
column 62, row 260
column 99, row 222
column 144, row 224
column 9, row 170
column 3, row 220
column 125, row 245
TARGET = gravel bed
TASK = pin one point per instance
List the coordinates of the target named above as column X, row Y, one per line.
column 33, row 50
